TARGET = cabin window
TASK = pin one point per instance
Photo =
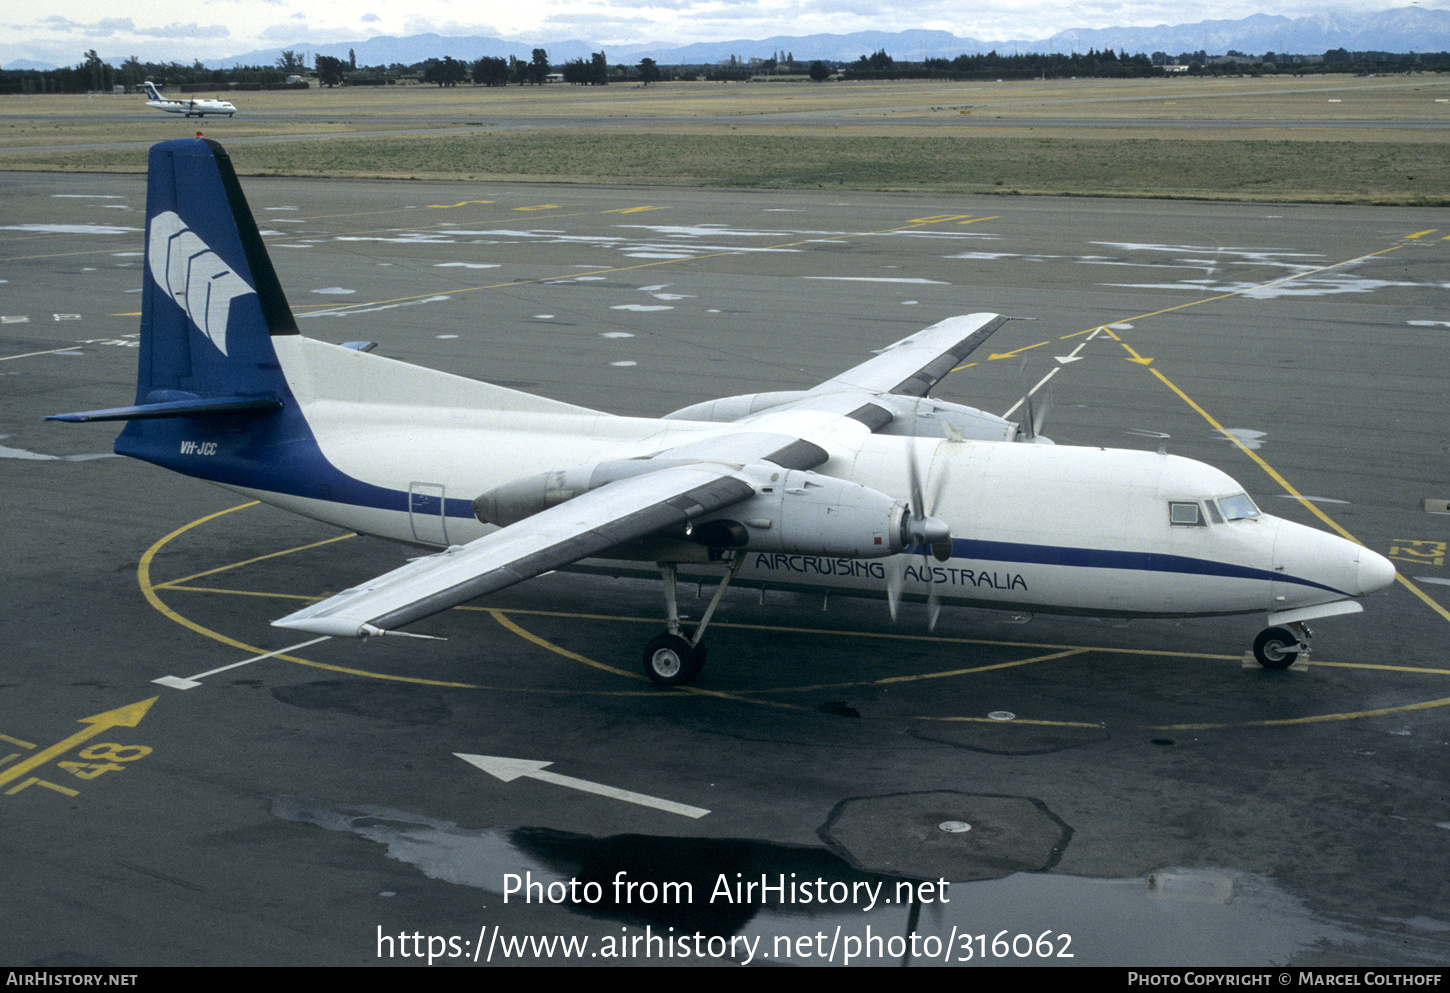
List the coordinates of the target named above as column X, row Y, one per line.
column 1239, row 507
column 1185, row 515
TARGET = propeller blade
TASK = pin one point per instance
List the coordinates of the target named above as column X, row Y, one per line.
column 1027, row 430
column 913, row 472
column 1042, row 413
column 895, row 579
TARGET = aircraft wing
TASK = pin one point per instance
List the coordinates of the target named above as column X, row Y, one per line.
column 586, row 525
column 913, row 365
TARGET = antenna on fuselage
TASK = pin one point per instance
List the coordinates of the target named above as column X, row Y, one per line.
column 1163, row 438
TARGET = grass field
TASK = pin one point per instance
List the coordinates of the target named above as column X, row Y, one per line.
column 880, row 136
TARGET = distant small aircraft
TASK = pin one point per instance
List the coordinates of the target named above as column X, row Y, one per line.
column 191, row 108
column 861, row 485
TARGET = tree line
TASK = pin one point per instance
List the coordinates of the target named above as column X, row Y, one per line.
column 93, row 74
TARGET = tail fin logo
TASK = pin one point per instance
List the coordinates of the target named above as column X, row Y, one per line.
column 193, row 275
column 151, row 92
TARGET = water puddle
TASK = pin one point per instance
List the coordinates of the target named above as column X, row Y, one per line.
column 770, row 903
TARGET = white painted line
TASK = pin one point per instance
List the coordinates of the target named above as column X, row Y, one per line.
column 364, row 309
column 74, row 350
column 177, row 683
column 510, row 769
column 1436, row 580
column 1032, row 392
column 180, row 683
column 881, row 279
column 1311, row 499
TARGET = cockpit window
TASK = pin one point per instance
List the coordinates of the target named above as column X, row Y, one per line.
column 1238, row 507
column 1184, row 514
column 1213, row 513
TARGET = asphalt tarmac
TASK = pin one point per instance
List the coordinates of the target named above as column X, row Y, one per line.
column 1013, row 791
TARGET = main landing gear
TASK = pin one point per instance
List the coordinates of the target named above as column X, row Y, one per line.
column 1279, row 648
column 676, row 657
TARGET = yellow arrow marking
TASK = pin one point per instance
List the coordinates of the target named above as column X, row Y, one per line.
column 450, row 206
column 122, row 717
column 631, row 210
column 1420, row 234
column 1016, row 351
column 1136, row 357
column 541, row 206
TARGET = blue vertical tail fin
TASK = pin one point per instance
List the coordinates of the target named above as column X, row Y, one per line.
column 210, row 301
column 212, row 398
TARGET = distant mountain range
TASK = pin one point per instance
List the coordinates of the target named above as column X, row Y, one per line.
column 1401, row 29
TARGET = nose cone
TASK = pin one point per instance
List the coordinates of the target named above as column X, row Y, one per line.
column 1375, row 572
column 1314, row 566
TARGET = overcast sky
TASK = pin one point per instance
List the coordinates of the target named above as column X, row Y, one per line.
column 61, row 31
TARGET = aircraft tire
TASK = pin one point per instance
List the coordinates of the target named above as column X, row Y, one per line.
column 672, row 661
column 1276, row 648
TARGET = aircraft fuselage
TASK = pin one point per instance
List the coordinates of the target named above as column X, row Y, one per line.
column 1034, row 527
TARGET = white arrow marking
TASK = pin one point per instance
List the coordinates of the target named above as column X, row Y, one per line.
column 1073, row 356
column 510, row 769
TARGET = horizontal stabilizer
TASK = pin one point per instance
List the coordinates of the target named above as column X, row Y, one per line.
column 200, row 407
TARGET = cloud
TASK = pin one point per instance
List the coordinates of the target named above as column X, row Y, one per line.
column 104, row 28
column 114, row 27
column 186, row 31
column 448, row 29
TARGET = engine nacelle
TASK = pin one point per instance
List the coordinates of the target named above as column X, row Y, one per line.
column 806, row 513
column 928, row 418
column 911, row 417
column 728, row 409
column 793, row 510
column 521, row 498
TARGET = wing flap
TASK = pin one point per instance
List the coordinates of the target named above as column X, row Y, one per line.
column 587, row 525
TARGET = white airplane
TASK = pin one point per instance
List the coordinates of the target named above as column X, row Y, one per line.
column 860, row 486
column 191, row 108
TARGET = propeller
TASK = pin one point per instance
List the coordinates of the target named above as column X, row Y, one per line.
column 921, row 529
column 1031, row 427
column 1032, row 423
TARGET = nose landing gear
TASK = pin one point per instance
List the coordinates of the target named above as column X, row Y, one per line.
column 1280, row 647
